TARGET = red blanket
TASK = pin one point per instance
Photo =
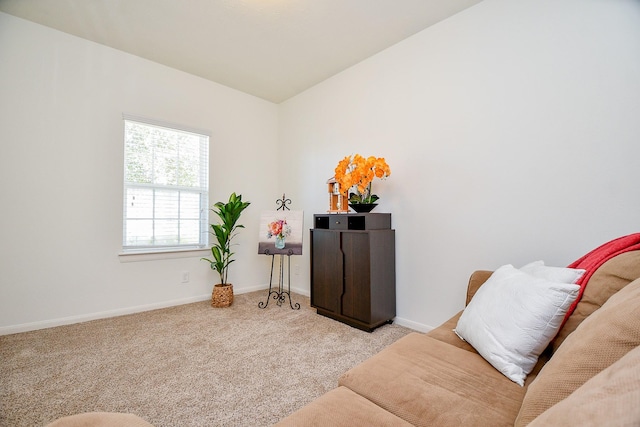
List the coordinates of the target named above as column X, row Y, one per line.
column 594, row 259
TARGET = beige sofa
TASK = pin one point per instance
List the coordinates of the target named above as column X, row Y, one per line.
column 588, row 375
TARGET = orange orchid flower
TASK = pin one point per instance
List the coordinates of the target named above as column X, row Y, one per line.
column 356, row 172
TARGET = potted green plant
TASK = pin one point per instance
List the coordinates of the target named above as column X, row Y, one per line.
column 221, row 255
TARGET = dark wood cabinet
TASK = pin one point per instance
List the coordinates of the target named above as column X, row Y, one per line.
column 353, row 276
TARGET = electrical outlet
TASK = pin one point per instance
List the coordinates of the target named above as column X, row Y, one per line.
column 185, row 277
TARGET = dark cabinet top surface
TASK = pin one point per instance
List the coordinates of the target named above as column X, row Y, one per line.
column 355, row 221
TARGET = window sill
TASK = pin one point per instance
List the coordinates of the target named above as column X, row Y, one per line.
column 157, row 254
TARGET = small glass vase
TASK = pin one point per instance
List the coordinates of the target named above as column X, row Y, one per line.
column 280, row 242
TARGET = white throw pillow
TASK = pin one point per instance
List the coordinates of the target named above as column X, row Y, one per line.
column 553, row 274
column 513, row 317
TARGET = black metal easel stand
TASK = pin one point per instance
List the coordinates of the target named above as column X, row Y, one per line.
column 280, row 295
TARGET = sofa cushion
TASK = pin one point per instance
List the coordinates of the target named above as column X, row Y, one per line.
column 513, row 317
column 599, row 341
column 428, row 382
column 612, row 276
column 446, row 334
column 341, row 407
column 609, row 398
column 594, row 259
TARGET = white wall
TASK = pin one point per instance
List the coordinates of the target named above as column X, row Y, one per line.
column 61, row 138
column 511, row 130
column 512, row 133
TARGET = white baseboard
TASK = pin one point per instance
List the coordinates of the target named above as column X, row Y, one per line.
column 246, row 290
column 412, row 325
column 398, row 320
column 33, row 326
column 299, row 291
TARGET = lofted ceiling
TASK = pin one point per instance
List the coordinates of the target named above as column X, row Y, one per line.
column 273, row 49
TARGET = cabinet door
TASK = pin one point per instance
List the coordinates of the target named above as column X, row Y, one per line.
column 326, row 270
column 356, row 299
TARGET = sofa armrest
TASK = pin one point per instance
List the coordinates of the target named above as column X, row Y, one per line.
column 475, row 281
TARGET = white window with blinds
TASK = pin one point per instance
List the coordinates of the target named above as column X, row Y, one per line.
column 166, row 187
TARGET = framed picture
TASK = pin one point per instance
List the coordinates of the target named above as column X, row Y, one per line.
column 281, row 232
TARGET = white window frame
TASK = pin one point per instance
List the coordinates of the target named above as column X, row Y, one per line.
column 202, row 189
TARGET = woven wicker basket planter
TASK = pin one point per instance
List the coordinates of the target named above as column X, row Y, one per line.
column 222, row 296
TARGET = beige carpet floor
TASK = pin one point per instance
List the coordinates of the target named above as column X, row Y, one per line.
column 190, row 365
